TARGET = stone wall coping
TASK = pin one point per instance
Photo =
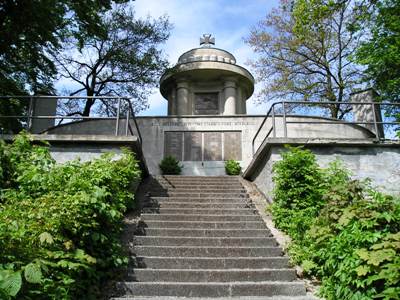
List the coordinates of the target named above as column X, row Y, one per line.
column 76, row 138
column 265, row 148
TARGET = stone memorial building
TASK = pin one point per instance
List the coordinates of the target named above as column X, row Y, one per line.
column 207, row 124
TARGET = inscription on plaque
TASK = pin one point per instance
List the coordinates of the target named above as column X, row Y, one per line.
column 193, row 146
column 173, row 144
column 207, row 145
column 233, row 145
column 212, row 146
column 206, row 104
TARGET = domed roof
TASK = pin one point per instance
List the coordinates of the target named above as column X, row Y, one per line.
column 207, row 54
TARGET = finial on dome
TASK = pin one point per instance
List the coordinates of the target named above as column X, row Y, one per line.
column 206, row 41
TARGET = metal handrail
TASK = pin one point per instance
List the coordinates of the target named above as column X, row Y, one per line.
column 271, row 113
column 129, row 113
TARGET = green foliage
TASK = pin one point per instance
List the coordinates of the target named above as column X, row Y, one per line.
column 304, row 49
column 232, row 167
column 381, row 52
column 129, row 55
column 352, row 241
column 30, row 30
column 60, row 224
column 170, row 166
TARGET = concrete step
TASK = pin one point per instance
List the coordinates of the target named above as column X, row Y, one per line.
column 198, row 189
column 233, row 200
column 216, row 187
column 200, row 205
column 196, row 251
column 213, row 289
column 207, row 218
column 194, row 195
column 171, row 178
column 204, row 275
column 310, row 297
column 206, row 241
column 210, row 262
column 200, row 211
column 206, row 232
column 205, row 224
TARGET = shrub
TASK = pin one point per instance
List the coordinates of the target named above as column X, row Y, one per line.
column 170, row 166
column 60, row 224
column 232, row 167
column 299, row 186
column 352, row 241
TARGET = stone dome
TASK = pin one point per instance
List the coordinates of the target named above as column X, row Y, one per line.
column 207, row 54
column 206, row 81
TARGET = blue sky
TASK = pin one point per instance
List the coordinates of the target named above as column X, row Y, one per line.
column 228, row 21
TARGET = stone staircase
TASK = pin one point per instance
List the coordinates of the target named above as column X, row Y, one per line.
column 202, row 238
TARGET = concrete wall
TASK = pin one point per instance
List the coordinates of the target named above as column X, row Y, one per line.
column 379, row 162
column 153, row 128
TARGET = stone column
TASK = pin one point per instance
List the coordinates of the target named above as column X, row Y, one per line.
column 182, row 98
column 368, row 112
column 43, row 107
column 172, row 102
column 230, row 96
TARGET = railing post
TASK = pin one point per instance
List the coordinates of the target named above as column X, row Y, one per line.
column 375, row 121
column 117, row 121
column 273, row 121
column 284, row 120
column 30, row 111
column 127, row 122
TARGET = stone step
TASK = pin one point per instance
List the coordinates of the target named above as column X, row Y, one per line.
column 200, row 205
column 205, row 224
column 310, row 297
column 213, row 289
column 206, row 241
column 233, row 200
column 195, row 195
column 210, row 262
column 197, row 189
column 207, row 186
column 205, row 178
column 204, row 275
column 197, row 251
column 206, row 232
column 207, row 218
column 199, row 211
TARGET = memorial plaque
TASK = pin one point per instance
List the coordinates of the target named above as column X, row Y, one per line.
column 233, row 145
column 212, row 146
column 173, row 144
column 193, row 146
column 206, row 104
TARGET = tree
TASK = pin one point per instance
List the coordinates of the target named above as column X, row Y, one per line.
column 125, row 61
column 381, row 52
column 304, row 50
column 29, row 32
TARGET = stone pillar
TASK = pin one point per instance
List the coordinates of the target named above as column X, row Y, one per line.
column 182, row 102
column 230, row 97
column 365, row 113
column 43, row 107
column 172, row 102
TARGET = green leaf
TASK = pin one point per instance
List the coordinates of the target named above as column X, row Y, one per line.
column 362, row 270
column 32, row 273
column 11, row 283
column 46, row 237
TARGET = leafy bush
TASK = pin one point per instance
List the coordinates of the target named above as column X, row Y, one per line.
column 352, row 241
column 60, row 224
column 232, row 167
column 170, row 166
